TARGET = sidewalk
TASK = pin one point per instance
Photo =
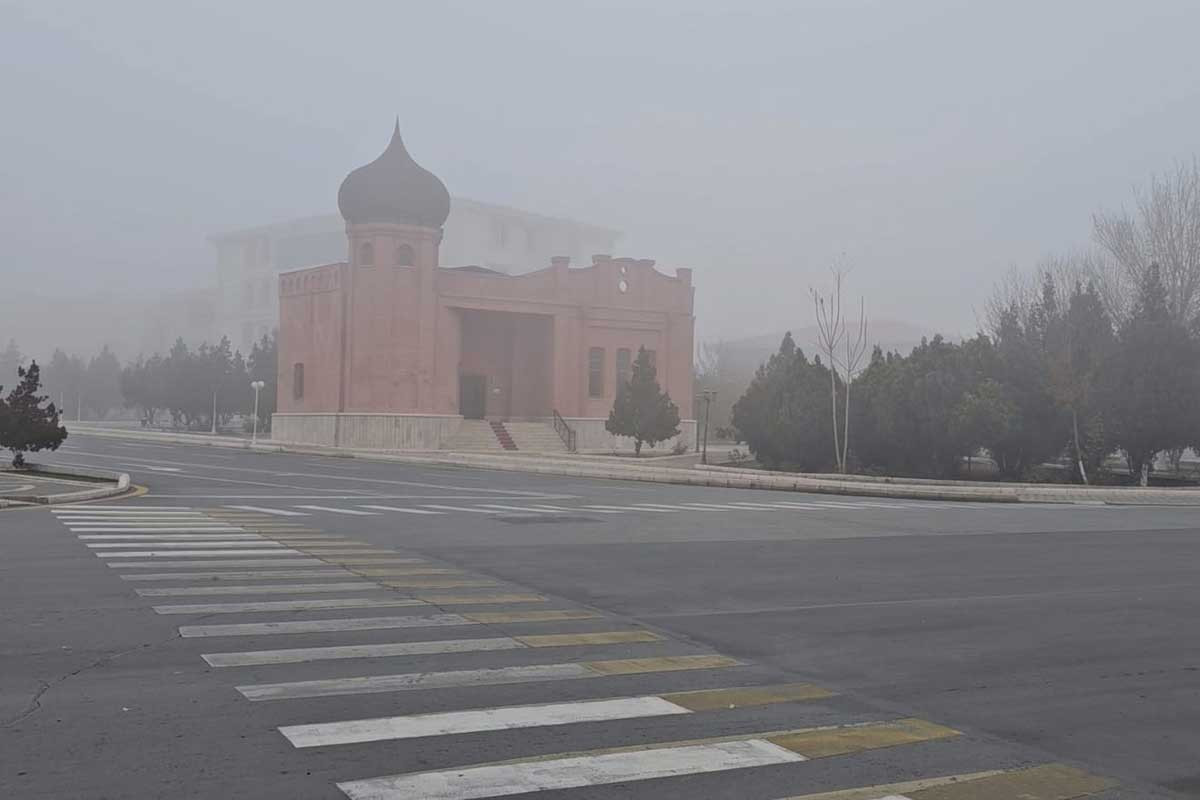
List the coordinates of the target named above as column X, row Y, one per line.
column 604, row 467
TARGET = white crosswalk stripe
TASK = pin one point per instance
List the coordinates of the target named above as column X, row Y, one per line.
column 290, row 588
column 223, row 543
column 170, row 537
column 475, row 783
column 323, row 625
column 242, row 575
column 286, row 605
column 198, row 553
column 156, row 529
column 449, row 723
column 227, row 562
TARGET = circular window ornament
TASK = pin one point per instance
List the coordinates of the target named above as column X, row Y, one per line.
column 622, row 286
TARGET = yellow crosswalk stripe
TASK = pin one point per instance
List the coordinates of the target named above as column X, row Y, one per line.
column 1045, row 782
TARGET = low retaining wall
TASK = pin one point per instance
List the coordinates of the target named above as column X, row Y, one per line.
column 590, row 436
column 365, row 431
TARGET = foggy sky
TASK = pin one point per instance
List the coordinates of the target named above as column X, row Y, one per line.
column 934, row 143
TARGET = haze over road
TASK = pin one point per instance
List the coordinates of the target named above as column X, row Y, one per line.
column 264, row 625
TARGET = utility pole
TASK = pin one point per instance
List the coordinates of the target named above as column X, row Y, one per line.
column 214, row 414
column 257, row 386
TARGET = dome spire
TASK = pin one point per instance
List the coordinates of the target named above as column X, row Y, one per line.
column 394, row 188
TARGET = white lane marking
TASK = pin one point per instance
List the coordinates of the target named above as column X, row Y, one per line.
column 402, row 510
column 376, row 684
column 613, row 509
column 197, row 553
column 285, row 605
column 301, row 655
column 228, row 562
column 169, row 537
column 711, row 507
column 249, row 575
column 323, row 625
column 661, row 507
column 467, row 509
column 563, row 509
column 754, row 506
column 223, row 542
column 800, row 506
column 279, row 512
column 499, row 780
column 449, row 723
column 290, row 588
column 340, row 511
column 516, row 509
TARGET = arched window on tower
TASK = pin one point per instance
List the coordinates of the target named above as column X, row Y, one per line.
column 404, row 255
column 366, row 254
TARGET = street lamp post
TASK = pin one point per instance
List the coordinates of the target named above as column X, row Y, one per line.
column 257, row 386
column 709, row 395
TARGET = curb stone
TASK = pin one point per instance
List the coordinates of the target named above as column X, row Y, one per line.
column 725, row 477
column 119, row 484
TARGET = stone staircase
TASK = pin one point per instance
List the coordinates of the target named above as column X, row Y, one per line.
column 535, row 437
column 479, row 435
column 474, row 435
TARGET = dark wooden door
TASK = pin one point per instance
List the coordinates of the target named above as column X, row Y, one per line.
column 472, row 396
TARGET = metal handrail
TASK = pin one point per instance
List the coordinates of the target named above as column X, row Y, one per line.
column 564, row 431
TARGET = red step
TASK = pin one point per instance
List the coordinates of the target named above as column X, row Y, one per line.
column 502, row 435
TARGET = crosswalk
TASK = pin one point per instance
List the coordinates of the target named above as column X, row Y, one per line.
column 458, row 645
column 601, row 510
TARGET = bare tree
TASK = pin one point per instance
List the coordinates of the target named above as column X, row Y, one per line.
column 1164, row 229
column 844, row 350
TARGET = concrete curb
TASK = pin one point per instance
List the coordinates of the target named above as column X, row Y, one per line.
column 724, row 477
column 119, row 485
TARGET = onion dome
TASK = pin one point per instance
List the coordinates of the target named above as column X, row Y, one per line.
column 394, row 188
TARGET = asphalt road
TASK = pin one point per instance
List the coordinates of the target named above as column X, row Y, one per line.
column 887, row 642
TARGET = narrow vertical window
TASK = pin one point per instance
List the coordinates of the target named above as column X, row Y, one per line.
column 652, row 359
column 622, row 367
column 366, row 254
column 404, row 255
column 596, row 372
column 297, row 381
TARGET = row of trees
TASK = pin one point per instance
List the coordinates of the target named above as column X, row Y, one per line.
column 81, row 389
column 1093, row 355
column 1059, row 379
column 189, row 387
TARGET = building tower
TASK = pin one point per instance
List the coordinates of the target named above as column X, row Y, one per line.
column 394, row 211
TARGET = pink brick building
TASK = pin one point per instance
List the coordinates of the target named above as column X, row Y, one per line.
column 389, row 349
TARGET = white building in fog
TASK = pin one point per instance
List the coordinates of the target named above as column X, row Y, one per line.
column 481, row 234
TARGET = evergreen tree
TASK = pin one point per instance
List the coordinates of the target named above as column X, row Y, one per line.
column 642, row 410
column 1152, row 380
column 11, row 359
column 783, row 416
column 263, row 365
column 26, row 426
column 102, row 384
